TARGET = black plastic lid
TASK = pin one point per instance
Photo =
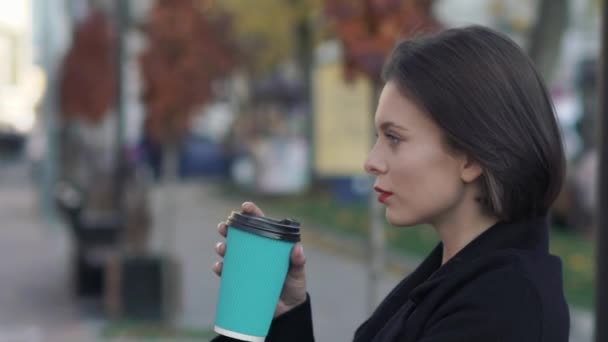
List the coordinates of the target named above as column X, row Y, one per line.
column 286, row 229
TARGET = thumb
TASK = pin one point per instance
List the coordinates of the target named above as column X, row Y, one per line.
column 297, row 255
column 298, row 260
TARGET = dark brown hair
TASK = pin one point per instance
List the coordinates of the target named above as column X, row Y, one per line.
column 492, row 105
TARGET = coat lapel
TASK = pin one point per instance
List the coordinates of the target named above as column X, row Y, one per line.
column 392, row 307
column 389, row 319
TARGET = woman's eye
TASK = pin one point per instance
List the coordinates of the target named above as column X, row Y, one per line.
column 393, row 139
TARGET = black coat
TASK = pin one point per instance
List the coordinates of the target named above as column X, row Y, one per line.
column 503, row 286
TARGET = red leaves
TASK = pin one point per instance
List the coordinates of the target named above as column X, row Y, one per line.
column 88, row 80
column 185, row 53
column 369, row 29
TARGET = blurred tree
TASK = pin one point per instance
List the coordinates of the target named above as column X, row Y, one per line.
column 186, row 52
column 88, row 78
column 368, row 30
column 265, row 28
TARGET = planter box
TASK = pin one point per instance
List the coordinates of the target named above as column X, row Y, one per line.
column 142, row 288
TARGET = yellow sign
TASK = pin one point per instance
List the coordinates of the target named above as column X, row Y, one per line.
column 343, row 121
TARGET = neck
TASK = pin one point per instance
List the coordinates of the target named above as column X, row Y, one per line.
column 460, row 229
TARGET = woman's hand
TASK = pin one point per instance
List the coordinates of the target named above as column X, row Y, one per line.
column 294, row 289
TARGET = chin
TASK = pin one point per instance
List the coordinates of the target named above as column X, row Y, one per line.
column 400, row 219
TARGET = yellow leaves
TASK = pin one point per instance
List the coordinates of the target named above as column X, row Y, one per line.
column 580, row 263
column 266, row 28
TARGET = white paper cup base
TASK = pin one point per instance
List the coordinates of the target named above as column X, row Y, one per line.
column 239, row 336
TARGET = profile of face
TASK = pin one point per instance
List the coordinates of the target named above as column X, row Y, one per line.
column 418, row 178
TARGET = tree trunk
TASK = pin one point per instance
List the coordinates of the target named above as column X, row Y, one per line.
column 167, row 226
column 546, row 36
column 169, row 183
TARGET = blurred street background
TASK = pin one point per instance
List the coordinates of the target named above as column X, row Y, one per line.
column 130, row 128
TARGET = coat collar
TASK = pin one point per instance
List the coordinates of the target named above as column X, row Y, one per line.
column 530, row 235
column 527, row 235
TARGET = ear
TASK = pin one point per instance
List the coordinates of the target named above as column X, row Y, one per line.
column 470, row 170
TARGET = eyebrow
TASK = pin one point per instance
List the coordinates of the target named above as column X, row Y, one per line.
column 389, row 124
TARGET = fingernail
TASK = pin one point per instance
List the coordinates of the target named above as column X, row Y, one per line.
column 219, row 225
column 218, row 246
column 302, row 249
column 246, row 205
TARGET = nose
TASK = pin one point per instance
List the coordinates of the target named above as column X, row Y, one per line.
column 374, row 164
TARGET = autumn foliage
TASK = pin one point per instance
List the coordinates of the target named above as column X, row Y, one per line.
column 265, row 29
column 369, row 29
column 88, row 78
column 186, row 52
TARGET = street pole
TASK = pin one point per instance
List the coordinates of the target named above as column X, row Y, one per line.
column 377, row 259
column 49, row 113
column 305, row 32
column 601, row 316
column 376, row 230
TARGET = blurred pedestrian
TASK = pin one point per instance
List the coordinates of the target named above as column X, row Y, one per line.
column 468, row 142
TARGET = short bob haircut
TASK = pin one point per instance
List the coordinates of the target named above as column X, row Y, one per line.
column 492, row 105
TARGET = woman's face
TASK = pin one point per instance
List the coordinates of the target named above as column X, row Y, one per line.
column 417, row 178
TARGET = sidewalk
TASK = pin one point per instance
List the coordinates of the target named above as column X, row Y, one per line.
column 336, row 274
column 36, row 303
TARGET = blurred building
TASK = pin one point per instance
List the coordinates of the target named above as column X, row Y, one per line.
column 20, row 80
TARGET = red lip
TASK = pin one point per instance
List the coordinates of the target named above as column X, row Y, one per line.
column 383, row 195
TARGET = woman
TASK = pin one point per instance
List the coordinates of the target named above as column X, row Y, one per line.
column 467, row 141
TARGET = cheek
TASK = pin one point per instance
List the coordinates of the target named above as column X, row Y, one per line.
column 424, row 168
column 428, row 184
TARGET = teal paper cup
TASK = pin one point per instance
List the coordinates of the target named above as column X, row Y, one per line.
column 255, row 266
